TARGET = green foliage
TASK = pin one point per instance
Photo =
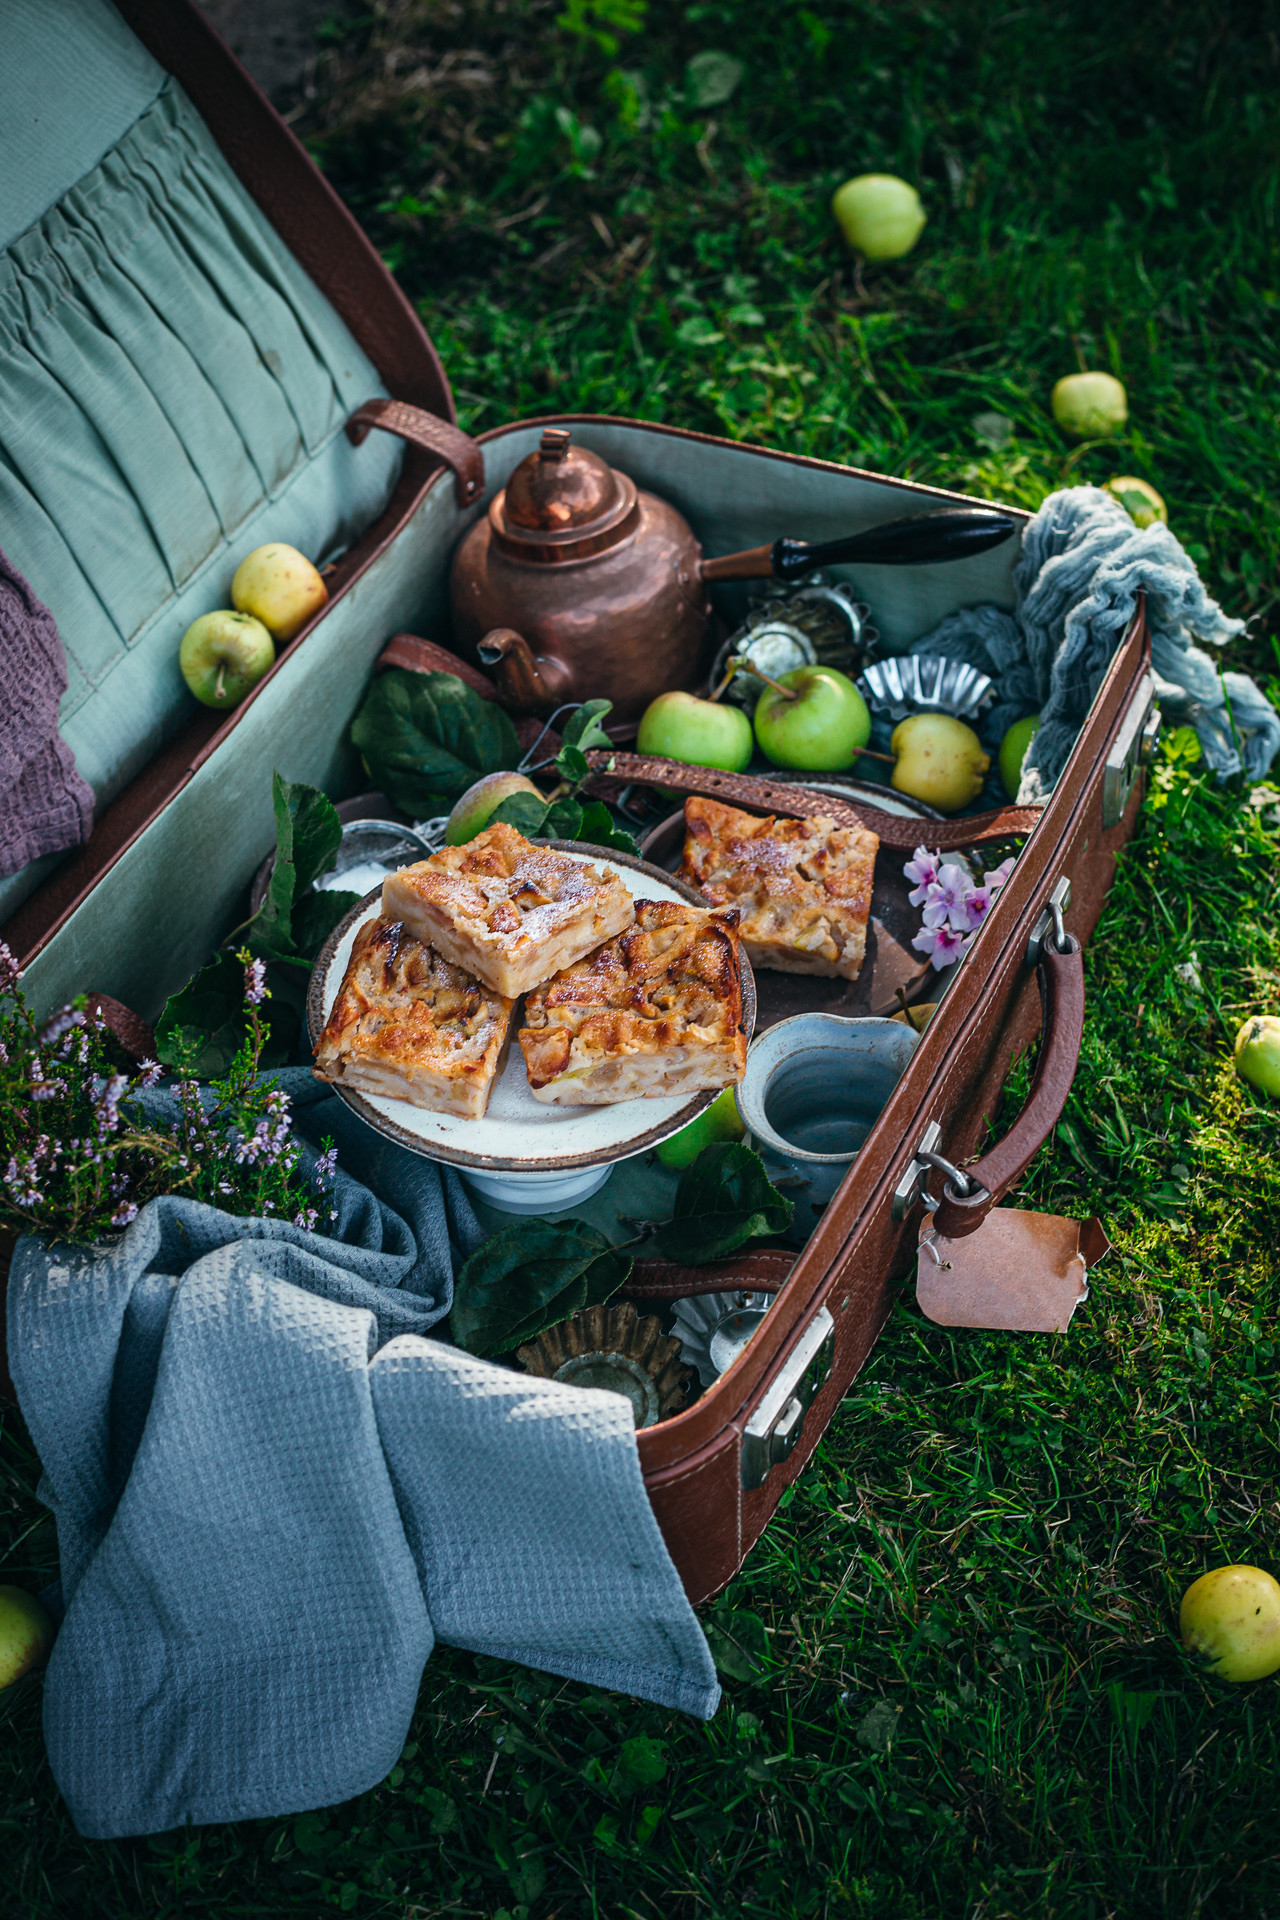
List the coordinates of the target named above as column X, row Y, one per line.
column 84, row 1153
column 426, row 737
column 724, row 1200
column 529, row 1276
column 204, row 1026
column 568, row 816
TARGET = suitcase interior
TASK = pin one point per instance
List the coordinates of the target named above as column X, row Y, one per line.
column 176, row 855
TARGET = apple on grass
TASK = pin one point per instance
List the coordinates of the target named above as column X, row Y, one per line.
column 1090, row 406
column 813, row 719
column 223, row 654
column 879, row 215
column 1231, row 1617
column 699, row 733
column 26, row 1634
column 279, row 586
column 1257, row 1052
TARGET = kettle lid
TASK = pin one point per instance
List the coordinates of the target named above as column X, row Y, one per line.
column 563, row 502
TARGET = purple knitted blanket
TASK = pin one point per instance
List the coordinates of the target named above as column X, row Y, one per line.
column 45, row 805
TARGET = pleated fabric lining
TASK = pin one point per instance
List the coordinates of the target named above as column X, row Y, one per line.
column 173, row 389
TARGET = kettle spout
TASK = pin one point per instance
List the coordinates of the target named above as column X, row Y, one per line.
column 527, row 683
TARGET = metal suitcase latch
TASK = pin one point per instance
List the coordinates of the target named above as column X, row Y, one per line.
column 1131, row 749
column 771, row 1434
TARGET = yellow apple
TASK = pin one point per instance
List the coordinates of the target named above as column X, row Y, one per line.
column 1257, row 1052
column 1232, row 1617
column 26, row 1634
column 470, row 814
column 279, row 586
column 938, row 760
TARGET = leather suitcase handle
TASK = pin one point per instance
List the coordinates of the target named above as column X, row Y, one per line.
column 1061, row 979
column 422, row 429
column 614, row 770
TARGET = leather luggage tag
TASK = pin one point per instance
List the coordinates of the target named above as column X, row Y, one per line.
column 1018, row 1272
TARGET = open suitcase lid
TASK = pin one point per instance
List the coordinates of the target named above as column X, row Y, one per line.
column 188, row 318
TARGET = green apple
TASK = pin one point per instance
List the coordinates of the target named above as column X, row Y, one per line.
column 1232, row 1618
column 720, row 1121
column 818, row 725
column 224, row 654
column 938, row 760
column 1257, row 1052
column 1013, row 751
column 279, row 586
column 472, row 812
column 701, row 733
column 1091, row 406
column 26, row 1634
column 1139, row 499
column 879, row 215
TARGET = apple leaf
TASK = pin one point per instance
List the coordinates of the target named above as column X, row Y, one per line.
column 202, row 1028
column 427, row 737
column 308, row 835
column 526, row 812
column 723, row 1200
column 316, row 915
column 597, row 827
column 529, row 1276
column 583, row 729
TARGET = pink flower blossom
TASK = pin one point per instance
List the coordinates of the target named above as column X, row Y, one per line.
column 125, row 1216
column 255, row 983
column 151, row 1072
column 922, row 871
column 944, row 945
column 946, row 897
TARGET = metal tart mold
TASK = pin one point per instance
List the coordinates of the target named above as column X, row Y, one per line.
column 714, row 1328
column 925, row 683
column 611, row 1347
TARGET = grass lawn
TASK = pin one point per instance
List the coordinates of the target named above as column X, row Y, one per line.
column 951, row 1682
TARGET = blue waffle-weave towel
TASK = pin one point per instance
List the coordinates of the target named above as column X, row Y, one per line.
column 274, row 1493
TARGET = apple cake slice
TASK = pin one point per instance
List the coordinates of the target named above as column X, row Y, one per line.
column 656, row 1011
column 507, row 911
column 803, row 887
column 409, row 1025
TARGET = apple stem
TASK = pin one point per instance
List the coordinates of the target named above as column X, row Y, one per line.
column 869, row 753
column 730, row 670
column 788, row 693
column 220, row 681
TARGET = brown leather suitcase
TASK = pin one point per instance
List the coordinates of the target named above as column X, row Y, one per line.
column 196, row 823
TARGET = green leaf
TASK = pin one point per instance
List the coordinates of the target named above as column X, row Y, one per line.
column 583, row 728
column 724, row 1200
column 641, row 1762
column 315, row 917
column 529, row 1276
column 564, row 819
column 571, row 764
column 739, row 1643
column 202, row 1028
column 598, row 828
column 523, row 811
column 427, row 737
column 308, row 835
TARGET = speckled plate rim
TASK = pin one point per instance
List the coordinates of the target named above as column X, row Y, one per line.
column 650, row 1136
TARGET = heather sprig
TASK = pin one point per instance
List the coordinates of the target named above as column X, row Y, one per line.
column 954, row 904
column 80, row 1156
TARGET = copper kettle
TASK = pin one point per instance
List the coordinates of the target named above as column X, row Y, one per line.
column 577, row 584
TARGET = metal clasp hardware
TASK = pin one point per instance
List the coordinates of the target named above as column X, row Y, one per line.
column 1051, row 920
column 911, row 1184
column 1130, row 750
column 771, row 1434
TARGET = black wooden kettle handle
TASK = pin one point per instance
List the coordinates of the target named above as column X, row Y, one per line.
column 946, row 533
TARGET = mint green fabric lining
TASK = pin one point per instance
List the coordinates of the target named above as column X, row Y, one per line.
column 73, row 80
column 173, row 390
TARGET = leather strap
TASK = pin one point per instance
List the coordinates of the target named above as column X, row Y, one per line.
column 129, row 1028
column 407, row 651
column 761, row 1272
column 612, row 771
column 421, row 429
column 1061, row 977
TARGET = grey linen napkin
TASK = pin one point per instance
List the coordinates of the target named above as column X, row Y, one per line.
column 45, row 805
column 274, row 1492
column 1084, row 565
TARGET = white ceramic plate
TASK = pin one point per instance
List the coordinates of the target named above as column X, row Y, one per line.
column 519, row 1134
